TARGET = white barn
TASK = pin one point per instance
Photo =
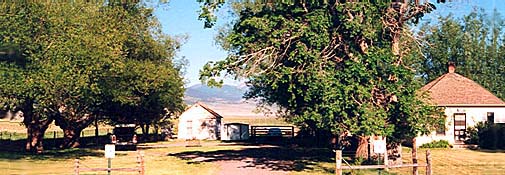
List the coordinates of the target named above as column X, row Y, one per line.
column 466, row 103
column 199, row 122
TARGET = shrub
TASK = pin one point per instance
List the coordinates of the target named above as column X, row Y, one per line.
column 492, row 136
column 473, row 133
column 487, row 135
column 437, row 144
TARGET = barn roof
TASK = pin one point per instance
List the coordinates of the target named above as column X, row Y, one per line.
column 452, row 89
column 214, row 113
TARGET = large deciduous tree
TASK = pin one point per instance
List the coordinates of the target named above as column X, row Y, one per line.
column 150, row 87
column 339, row 67
column 67, row 61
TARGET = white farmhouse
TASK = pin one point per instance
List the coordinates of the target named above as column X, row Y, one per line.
column 199, row 122
column 466, row 103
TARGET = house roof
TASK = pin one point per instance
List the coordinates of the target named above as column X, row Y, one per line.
column 214, row 113
column 452, row 89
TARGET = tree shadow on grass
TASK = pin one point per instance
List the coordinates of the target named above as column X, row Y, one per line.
column 273, row 158
column 14, row 150
column 51, row 154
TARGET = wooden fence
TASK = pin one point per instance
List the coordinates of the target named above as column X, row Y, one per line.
column 272, row 131
column 414, row 165
column 140, row 167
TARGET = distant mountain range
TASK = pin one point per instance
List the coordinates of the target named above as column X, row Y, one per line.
column 225, row 94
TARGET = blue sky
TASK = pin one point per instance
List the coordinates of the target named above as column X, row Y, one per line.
column 180, row 17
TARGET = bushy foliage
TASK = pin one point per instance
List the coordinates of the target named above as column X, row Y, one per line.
column 488, row 135
column 437, row 144
column 473, row 134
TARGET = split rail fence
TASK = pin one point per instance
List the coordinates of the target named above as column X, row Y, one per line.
column 415, row 166
column 272, row 131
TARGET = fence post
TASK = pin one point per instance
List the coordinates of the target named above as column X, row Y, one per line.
column 338, row 160
column 428, row 163
column 386, row 156
column 414, row 157
column 76, row 169
column 142, row 170
column 54, row 138
column 253, row 129
column 139, row 166
column 292, row 132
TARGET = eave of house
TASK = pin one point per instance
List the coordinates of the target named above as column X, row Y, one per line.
column 471, row 105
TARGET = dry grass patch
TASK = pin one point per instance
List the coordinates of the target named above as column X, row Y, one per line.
column 445, row 162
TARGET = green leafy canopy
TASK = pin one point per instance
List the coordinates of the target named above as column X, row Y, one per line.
column 330, row 66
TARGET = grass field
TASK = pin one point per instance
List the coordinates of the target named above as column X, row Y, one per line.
column 62, row 162
column 168, row 160
column 445, row 162
column 14, row 130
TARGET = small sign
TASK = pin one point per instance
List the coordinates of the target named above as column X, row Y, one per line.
column 379, row 146
column 110, row 151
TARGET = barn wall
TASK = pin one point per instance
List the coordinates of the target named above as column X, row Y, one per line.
column 204, row 125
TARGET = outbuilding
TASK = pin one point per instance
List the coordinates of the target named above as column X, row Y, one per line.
column 235, row 132
column 199, row 122
column 466, row 103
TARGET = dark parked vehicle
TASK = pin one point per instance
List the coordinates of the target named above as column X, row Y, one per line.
column 124, row 137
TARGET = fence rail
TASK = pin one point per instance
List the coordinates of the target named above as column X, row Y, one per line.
column 340, row 167
column 140, row 167
column 272, row 131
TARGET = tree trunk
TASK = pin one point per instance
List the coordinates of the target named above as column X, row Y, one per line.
column 35, row 135
column 71, row 137
column 362, row 150
column 146, row 134
column 72, row 127
column 395, row 153
column 147, row 130
column 36, row 127
column 156, row 128
column 143, row 127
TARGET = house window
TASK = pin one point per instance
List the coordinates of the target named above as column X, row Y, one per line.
column 490, row 117
column 189, row 128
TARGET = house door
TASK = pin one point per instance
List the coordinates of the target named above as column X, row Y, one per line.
column 459, row 126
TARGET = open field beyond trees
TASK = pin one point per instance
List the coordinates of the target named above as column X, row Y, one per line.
column 14, row 130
